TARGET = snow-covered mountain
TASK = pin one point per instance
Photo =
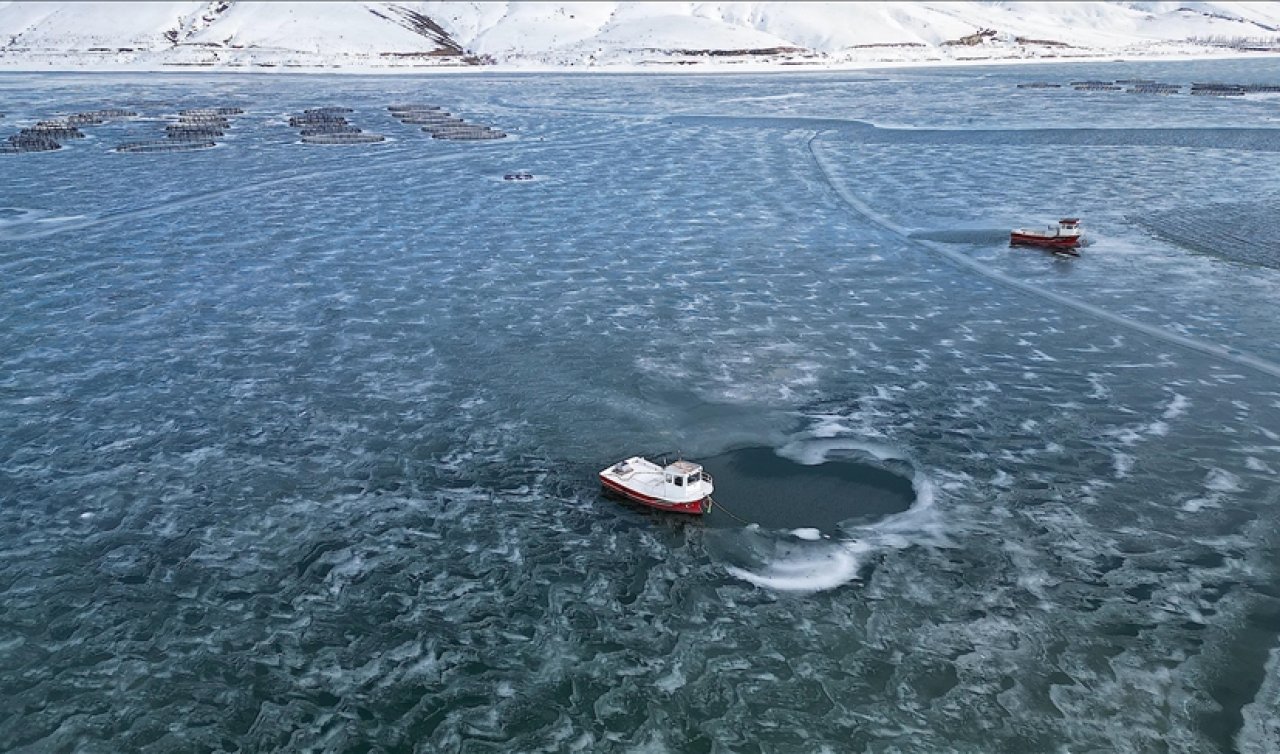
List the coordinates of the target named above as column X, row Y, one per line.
column 377, row 35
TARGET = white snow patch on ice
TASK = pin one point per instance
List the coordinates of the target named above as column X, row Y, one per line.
column 1257, row 464
column 1219, row 480
column 1122, row 463
column 1177, row 407
column 672, row 681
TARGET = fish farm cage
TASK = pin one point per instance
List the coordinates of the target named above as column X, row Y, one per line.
column 441, row 124
column 24, row 141
column 165, row 145
column 329, row 125
column 482, row 133
column 1151, row 86
column 48, row 135
column 192, row 133
column 413, row 108
column 334, row 128
column 344, row 138
column 196, row 128
column 424, row 119
column 200, row 112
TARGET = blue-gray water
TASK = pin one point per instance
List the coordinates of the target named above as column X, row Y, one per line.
column 298, row 443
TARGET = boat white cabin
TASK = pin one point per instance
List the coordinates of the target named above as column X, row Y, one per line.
column 682, row 486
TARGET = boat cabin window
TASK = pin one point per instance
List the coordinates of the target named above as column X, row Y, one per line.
column 693, row 479
column 679, row 481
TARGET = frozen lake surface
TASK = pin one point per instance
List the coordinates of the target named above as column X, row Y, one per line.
column 300, row 441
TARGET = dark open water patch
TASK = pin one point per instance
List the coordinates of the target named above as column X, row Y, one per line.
column 1235, row 689
column 964, row 235
column 759, row 486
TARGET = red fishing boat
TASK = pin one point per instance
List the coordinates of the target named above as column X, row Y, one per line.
column 1064, row 237
column 680, row 487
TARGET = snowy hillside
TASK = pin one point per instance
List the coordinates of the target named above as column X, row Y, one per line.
column 376, row 35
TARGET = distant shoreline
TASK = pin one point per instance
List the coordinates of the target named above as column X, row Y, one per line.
column 663, row 68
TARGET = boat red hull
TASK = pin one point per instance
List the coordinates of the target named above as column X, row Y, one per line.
column 696, row 507
column 1048, row 242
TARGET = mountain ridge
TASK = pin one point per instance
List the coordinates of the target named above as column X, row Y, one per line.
column 416, row 35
